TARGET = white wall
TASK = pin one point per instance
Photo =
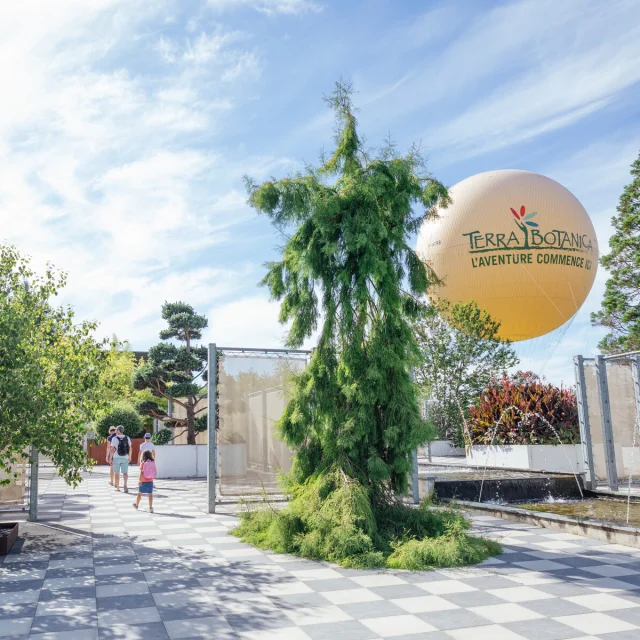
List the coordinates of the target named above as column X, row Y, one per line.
column 440, row 448
column 181, row 461
column 566, row 458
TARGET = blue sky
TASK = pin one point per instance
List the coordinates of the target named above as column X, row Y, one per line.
column 126, row 128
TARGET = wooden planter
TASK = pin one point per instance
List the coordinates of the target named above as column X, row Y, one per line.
column 8, row 535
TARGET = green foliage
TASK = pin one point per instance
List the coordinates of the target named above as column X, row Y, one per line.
column 121, row 414
column 621, row 304
column 172, row 372
column 50, row 369
column 343, row 267
column 200, row 423
column 116, row 381
column 162, row 436
column 331, row 517
column 530, row 395
column 353, row 418
column 460, row 352
column 451, row 550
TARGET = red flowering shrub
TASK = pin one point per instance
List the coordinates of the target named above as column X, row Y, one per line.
column 522, row 401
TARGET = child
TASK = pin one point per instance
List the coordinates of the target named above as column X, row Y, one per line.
column 147, row 474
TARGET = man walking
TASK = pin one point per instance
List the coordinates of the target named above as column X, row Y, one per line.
column 121, row 452
column 110, row 437
column 147, row 445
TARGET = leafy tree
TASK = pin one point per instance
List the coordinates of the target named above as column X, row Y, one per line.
column 116, row 380
column 171, row 372
column 163, row 436
column 621, row 304
column 353, row 419
column 460, row 352
column 121, row 414
column 50, row 369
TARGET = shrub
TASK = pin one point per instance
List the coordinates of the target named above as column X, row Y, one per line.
column 525, row 406
column 163, row 436
column 331, row 517
column 121, row 414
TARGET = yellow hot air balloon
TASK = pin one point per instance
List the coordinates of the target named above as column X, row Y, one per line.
column 519, row 244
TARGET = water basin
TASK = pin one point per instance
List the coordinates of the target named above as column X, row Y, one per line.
column 604, row 509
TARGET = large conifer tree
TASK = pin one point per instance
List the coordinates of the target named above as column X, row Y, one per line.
column 621, row 304
column 345, row 267
column 353, row 419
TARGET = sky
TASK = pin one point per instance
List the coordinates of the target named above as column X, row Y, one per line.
column 126, row 129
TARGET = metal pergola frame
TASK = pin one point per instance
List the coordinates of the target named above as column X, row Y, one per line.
column 633, row 357
column 215, row 353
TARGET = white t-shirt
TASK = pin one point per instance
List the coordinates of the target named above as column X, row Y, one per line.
column 147, row 445
column 114, row 445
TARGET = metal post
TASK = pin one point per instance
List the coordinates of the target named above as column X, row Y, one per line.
column 265, row 432
column 212, row 428
column 607, row 428
column 585, row 424
column 415, row 489
column 33, row 487
column 635, row 368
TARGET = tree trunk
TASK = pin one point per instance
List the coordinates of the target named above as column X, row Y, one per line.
column 191, row 416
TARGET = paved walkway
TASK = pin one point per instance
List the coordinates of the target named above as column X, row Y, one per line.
column 100, row 569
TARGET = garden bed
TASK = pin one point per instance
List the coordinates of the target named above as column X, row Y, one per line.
column 8, row 536
column 565, row 458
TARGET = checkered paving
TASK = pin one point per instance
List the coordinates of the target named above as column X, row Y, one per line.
column 99, row 569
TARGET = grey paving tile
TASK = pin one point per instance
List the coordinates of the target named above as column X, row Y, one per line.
column 331, row 585
column 580, row 561
column 258, row 622
column 125, row 602
column 132, row 589
column 182, row 611
column 149, row 631
column 543, row 629
column 297, row 600
column 18, row 610
column 555, row 607
column 69, row 572
column 15, row 627
column 179, row 584
column 623, row 635
column 396, row 591
column 453, row 619
column 78, row 634
column 49, row 624
column 124, row 578
column 73, row 593
column 349, row 630
column 211, row 627
column 376, row 609
column 628, row 615
column 7, row 586
column 489, row 582
column 472, row 599
column 565, row 589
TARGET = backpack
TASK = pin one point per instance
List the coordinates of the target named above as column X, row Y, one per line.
column 123, row 446
column 149, row 470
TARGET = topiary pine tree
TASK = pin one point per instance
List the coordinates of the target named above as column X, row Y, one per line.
column 621, row 304
column 172, row 372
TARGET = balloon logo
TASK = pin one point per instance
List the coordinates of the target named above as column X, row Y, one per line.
column 531, row 266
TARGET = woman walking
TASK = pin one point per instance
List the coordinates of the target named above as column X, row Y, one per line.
column 147, row 474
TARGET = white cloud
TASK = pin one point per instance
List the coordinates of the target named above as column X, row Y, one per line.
column 269, row 7
column 99, row 172
column 518, row 70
